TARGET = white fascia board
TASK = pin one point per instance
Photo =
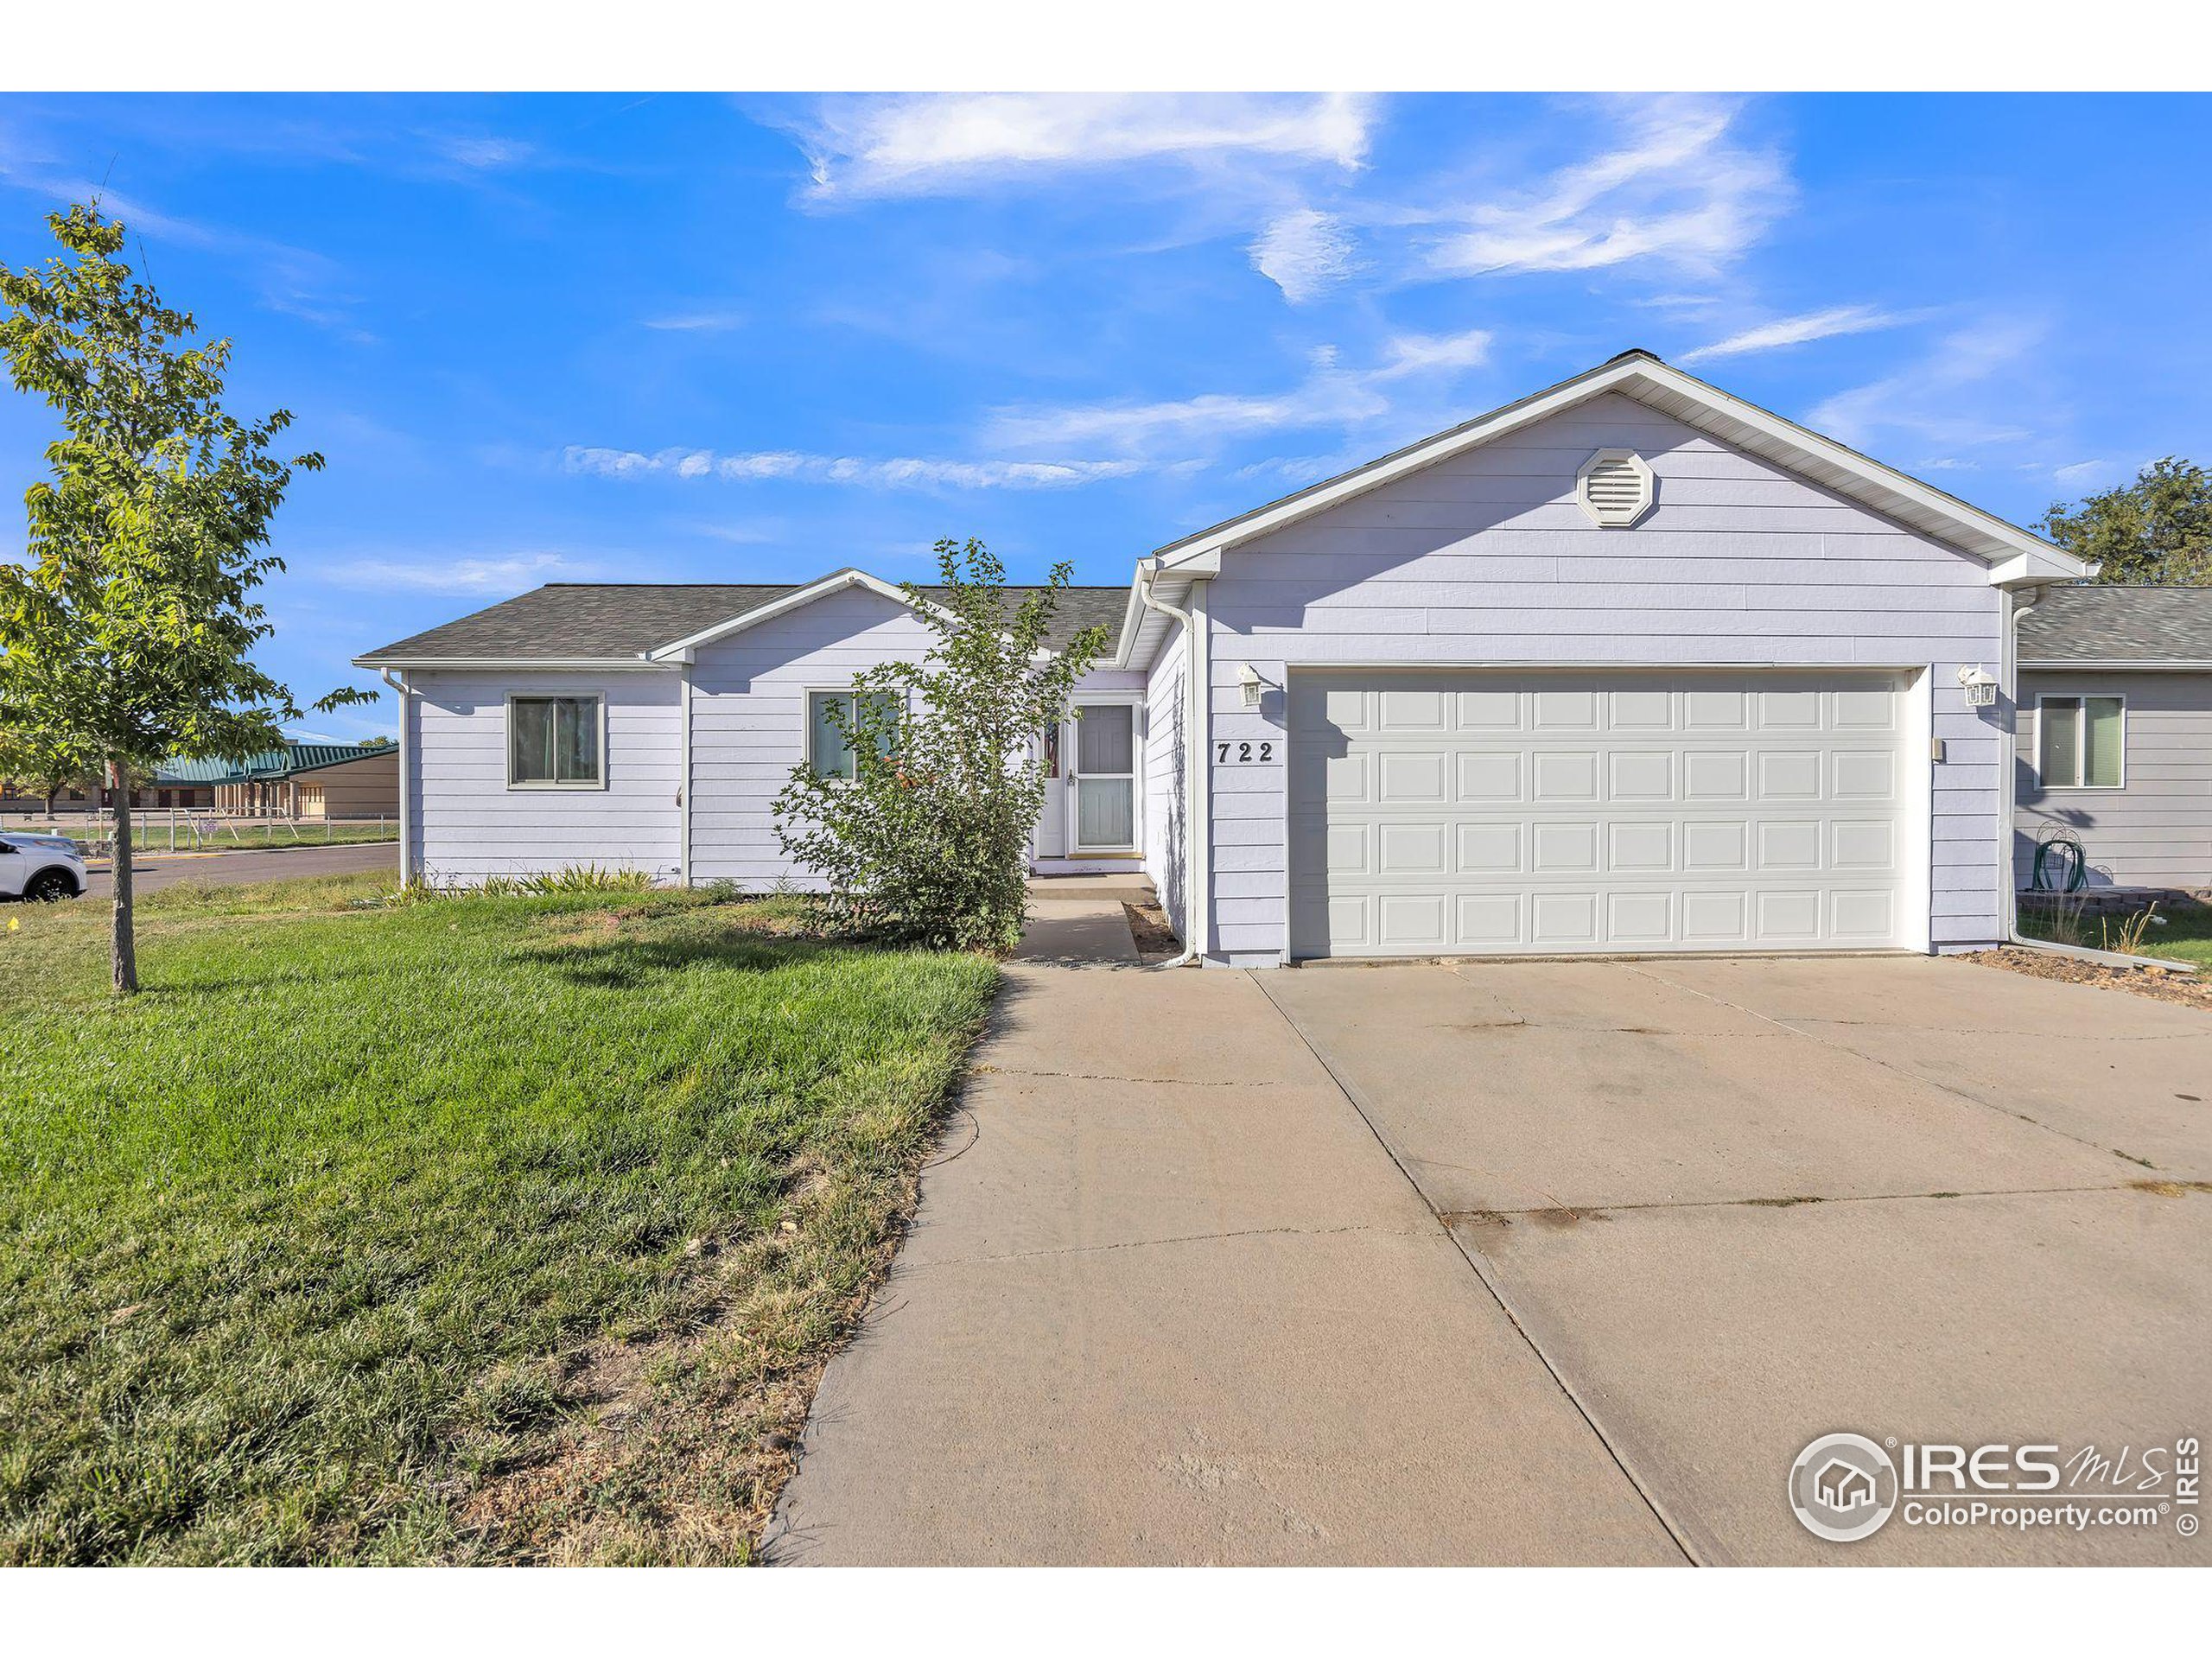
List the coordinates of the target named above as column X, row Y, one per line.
column 1138, row 619
column 595, row 664
column 2116, row 664
column 836, row 582
column 1633, row 376
column 2037, row 565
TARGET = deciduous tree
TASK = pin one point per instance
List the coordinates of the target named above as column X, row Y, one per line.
column 126, row 635
column 2157, row 530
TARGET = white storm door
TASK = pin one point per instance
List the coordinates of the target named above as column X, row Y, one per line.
column 1103, row 778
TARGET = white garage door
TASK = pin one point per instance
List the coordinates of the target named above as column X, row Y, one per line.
column 1482, row 811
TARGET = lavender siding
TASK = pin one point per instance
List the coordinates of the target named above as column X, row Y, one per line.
column 2157, row 830
column 749, row 722
column 1486, row 559
column 467, row 824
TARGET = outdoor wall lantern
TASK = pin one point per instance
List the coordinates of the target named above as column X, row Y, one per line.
column 1980, row 686
column 1249, row 678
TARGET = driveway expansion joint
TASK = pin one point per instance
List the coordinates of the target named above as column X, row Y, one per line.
column 1479, row 1217
column 1675, row 1533
column 1175, row 1238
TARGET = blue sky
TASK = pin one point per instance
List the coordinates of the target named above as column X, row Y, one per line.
column 686, row 338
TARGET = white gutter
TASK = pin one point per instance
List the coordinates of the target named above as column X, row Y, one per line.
column 2007, row 816
column 398, row 681
column 1197, row 674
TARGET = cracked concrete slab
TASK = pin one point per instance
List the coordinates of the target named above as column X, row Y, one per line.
column 1168, row 1300
column 2145, row 1099
column 1534, row 1115
column 1351, row 1397
column 1063, row 1163
column 1713, row 1343
column 1177, row 1293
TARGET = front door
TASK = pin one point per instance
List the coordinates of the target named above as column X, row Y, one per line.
column 1102, row 777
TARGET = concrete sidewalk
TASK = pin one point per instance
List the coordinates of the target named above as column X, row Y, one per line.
column 1168, row 1300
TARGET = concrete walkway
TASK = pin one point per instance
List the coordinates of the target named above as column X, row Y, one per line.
column 1169, row 1300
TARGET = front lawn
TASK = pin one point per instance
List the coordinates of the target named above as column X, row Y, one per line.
column 461, row 1230
column 2183, row 933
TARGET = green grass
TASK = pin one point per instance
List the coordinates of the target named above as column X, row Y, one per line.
column 2180, row 935
column 334, row 1243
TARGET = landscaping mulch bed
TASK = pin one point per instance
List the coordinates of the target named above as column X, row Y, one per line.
column 2164, row 985
column 1155, row 940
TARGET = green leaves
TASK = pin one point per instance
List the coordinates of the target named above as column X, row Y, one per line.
column 126, row 636
column 2157, row 530
column 928, row 841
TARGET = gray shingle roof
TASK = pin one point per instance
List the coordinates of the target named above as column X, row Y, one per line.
column 613, row 619
column 2096, row 623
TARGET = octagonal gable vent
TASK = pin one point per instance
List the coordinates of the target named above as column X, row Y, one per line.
column 1614, row 487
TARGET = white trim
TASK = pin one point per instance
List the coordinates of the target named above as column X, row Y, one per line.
column 1916, row 929
column 2043, row 785
column 1644, row 378
column 527, row 664
column 397, row 682
column 1070, row 776
column 548, row 784
column 1604, row 519
column 1198, row 663
column 683, row 789
column 836, row 582
column 2115, row 665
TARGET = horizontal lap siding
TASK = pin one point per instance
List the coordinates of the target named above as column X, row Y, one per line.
column 470, row 825
column 2157, row 830
column 749, row 722
column 1486, row 560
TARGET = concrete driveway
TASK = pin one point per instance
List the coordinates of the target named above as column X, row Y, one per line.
column 1517, row 1262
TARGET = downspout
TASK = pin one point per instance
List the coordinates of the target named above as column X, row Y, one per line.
column 2009, row 675
column 398, row 684
column 1195, row 748
column 683, row 791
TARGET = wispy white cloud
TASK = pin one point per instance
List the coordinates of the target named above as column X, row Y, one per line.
column 1304, row 253
column 1800, row 330
column 504, row 573
column 1331, row 395
column 296, row 282
column 1681, row 188
column 704, row 322
column 913, row 145
column 483, row 152
column 2081, row 470
column 902, row 472
column 1945, row 396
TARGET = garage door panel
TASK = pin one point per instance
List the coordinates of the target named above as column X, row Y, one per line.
column 1441, row 811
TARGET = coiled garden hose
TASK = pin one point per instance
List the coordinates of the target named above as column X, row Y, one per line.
column 2060, row 865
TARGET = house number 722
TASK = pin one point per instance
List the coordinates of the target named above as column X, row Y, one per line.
column 1245, row 754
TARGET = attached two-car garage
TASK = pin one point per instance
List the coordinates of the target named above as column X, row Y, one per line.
column 1500, row 811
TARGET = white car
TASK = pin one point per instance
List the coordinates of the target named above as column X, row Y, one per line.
column 41, row 869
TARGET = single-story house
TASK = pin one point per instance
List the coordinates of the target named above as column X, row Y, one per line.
column 315, row 781
column 2115, row 739
column 1628, row 665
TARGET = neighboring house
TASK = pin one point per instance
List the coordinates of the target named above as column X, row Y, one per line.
column 1627, row 665
column 165, row 789
column 2115, row 732
column 316, row 781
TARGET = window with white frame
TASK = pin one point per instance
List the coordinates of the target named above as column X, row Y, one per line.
column 2082, row 741
column 556, row 742
column 830, row 716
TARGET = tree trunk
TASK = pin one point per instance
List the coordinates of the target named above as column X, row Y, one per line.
column 125, row 946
